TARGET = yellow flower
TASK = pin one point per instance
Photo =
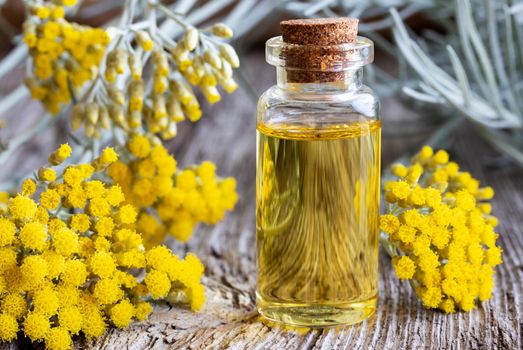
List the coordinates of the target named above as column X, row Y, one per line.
column 28, row 187
column 485, row 193
column 157, row 283
column 127, row 214
column 99, row 207
column 70, row 318
column 114, row 195
column 465, row 200
column 58, row 339
column 107, row 291
column 142, row 310
column 50, row 199
column 45, row 301
column 139, row 146
column 440, row 157
column 14, row 305
column 94, row 189
column 399, row 190
column 104, row 226
column 55, row 263
column 122, row 313
column 34, row 270
column 36, row 326
column 33, row 235
column 65, row 242
column 22, row 207
column 431, row 297
column 406, row 234
column 74, row 274
column 80, row 222
column 102, row 264
column 94, row 324
column 8, row 327
column 108, row 156
column 60, row 155
column 7, row 232
column 443, row 232
column 415, row 171
column 404, row 267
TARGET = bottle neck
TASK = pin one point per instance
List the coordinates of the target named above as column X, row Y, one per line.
column 346, row 81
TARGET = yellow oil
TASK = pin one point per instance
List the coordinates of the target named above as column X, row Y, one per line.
column 317, row 210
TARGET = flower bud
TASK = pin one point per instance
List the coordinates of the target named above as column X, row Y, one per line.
column 191, row 38
column 116, row 114
column 134, row 119
column 104, row 119
column 159, row 108
column 212, row 58
column 191, row 76
column 160, row 62
column 211, row 94
column 135, row 64
column 170, row 131
column 90, row 130
column 208, row 79
column 226, row 69
column 160, row 84
column 182, row 91
column 174, row 110
column 116, row 95
column 182, row 57
column 228, row 53
column 222, row 30
column 144, row 40
column 228, row 85
column 92, row 113
column 193, row 111
column 136, row 93
column 77, row 116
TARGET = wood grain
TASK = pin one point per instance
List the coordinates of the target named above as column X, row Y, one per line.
column 226, row 135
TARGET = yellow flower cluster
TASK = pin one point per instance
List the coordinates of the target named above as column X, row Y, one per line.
column 440, row 231
column 64, row 55
column 72, row 261
column 169, row 99
column 170, row 201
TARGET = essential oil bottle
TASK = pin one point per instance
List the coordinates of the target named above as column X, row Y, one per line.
column 318, row 178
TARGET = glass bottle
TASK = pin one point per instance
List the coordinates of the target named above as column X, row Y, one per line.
column 317, row 185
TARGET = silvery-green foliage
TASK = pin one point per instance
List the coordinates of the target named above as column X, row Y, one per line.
column 475, row 68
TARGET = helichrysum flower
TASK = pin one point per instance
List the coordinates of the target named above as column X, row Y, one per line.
column 64, row 55
column 74, row 263
column 440, row 232
column 181, row 199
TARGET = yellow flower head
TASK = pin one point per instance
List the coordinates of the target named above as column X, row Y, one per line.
column 404, row 267
column 139, row 146
column 443, row 229
column 60, row 155
column 58, row 339
column 157, row 283
column 7, row 232
column 36, row 326
column 122, row 313
column 33, row 235
column 22, row 207
column 28, row 187
column 8, row 327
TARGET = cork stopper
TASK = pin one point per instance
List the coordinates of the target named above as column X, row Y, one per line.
column 315, row 47
column 320, row 31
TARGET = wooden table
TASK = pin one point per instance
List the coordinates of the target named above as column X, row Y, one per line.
column 226, row 135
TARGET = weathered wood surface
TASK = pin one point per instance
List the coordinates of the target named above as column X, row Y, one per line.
column 226, row 135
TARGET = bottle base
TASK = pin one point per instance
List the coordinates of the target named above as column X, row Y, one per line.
column 314, row 315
